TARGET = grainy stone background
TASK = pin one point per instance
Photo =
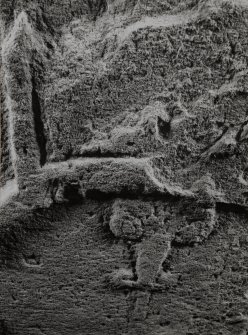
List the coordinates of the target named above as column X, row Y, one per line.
column 124, row 173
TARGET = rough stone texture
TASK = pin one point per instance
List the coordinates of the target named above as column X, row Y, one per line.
column 124, row 173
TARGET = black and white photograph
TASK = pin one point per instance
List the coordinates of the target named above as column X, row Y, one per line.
column 123, row 167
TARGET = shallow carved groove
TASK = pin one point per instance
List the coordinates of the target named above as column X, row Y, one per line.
column 38, row 124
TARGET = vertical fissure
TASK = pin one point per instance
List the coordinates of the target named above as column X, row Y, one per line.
column 38, row 124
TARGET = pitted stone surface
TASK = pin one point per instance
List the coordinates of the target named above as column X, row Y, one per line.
column 123, row 151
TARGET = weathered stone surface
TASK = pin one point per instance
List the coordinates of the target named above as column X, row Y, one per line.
column 123, row 147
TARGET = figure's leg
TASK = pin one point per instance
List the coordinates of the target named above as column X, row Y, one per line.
column 151, row 254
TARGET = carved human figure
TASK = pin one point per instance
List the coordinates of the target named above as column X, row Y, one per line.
column 152, row 230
